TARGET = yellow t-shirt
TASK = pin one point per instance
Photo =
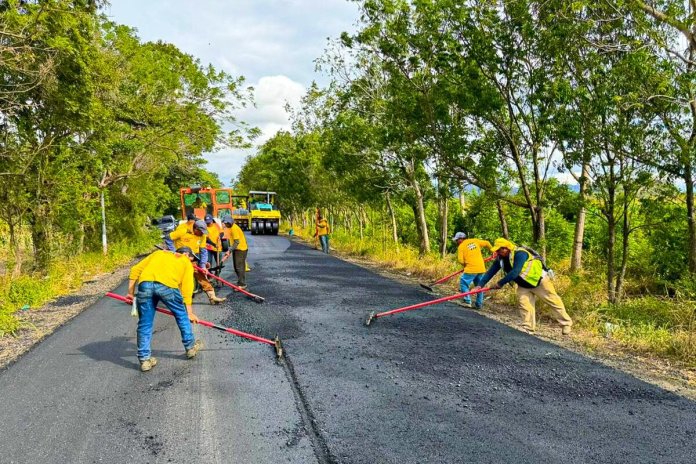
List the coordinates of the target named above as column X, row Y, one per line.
column 323, row 227
column 170, row 269
column 214, row 232
column 184, row 236
column 238, row 234
column 469, row 254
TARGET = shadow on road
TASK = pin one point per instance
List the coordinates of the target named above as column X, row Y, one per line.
column 118, row 350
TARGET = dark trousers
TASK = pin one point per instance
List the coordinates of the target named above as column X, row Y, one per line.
column 239, row 259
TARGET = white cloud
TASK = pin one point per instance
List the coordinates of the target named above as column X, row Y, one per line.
column 566, row 178
column 273, row 43
column 271, row 95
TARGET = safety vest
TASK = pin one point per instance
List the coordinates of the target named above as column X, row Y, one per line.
column 532, row 269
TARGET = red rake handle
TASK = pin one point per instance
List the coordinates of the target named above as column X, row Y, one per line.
column 238, row 333
column 239, row 289
column 448, row 277
column 432, row 302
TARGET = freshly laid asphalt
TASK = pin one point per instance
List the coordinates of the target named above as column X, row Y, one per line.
column 441, row 384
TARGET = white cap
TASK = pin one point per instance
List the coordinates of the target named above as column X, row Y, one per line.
column 459, row 236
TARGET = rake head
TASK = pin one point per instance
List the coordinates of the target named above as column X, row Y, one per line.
column 278, row 345
column 427, row 287
column 370, row 316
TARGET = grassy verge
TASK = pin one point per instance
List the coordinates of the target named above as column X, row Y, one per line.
column 28, row 292
column 657, row 326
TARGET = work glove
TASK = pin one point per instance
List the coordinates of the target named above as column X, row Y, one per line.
column 134, row 308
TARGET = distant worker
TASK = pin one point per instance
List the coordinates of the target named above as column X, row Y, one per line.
column 238, row 248
column 213, row 240
column 199, row 203
column 526, row 269
column 167, row 277
column 322, row 231
column 469, row 256
column 191, row 234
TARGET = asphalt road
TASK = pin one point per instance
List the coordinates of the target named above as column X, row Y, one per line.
column 437, row 385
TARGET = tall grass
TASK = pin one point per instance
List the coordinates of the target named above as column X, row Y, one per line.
column 28, row 292
column 660, row 326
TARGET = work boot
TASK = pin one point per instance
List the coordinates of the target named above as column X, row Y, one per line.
column 148, row 364
column 214, row 299
column 566, row 330
column 193, row 351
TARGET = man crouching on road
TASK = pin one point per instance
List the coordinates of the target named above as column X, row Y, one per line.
column 167, row 277
column 526, row 269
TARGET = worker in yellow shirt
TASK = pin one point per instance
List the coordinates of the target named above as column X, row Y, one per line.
column 192, row 234
column 469, row 256
column 322, row 231
column 213, row 241
column 167, row 277
column 238, row 249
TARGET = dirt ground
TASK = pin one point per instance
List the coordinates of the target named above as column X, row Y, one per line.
column 673, row 377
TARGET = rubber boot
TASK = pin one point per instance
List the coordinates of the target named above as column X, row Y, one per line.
column 214, row 299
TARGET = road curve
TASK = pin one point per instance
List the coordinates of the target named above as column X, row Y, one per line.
column 437, row 385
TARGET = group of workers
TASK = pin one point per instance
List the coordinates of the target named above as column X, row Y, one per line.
column 522, row 266
column 168, row 276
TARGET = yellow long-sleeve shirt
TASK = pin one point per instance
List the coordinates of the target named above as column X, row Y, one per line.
column 322, row 227
column 184, row 236
column 469, row 255
column 236, row 233
column 214, row 233
column 170, row 269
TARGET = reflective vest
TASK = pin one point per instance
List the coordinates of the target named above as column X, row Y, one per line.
column 532, row 269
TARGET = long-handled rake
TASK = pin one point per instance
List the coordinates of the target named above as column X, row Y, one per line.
column 448, row 277
column 374, row 315
column 256, row 298
column 444, row 279
column 206, row 272
column 275, row 343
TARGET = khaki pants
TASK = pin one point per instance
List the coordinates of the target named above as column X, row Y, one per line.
column 202, row 281
column 547, row 293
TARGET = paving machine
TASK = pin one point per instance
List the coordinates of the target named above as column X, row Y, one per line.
column 206, row 200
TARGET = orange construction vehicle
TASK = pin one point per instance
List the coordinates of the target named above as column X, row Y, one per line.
column 206, row 200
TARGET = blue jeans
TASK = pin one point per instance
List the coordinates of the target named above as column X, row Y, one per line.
column 149, row 294
column 324, row 240
column 465, row 282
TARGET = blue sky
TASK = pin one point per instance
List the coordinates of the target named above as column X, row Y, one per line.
column 272, row 43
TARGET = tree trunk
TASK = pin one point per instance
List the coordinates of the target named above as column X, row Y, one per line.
column 625, row 235
column 503, row 220
column 360, row 224
column 611, row 242
column 576, row 256
column 462, row 202
column 392, row 217
column 41, row 239
column 105, row 247
column 444, row 213
column 16, row 250
column 419, row 212
column 691, row 219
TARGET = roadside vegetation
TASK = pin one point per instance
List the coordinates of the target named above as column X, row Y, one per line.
column 566, row 126
column 95, row 122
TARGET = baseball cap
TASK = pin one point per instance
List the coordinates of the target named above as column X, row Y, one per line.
column 186, row 251
column 190, row 217
column 200, row 225
column 228, row 220
column 209, row 219
column 459, row 236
